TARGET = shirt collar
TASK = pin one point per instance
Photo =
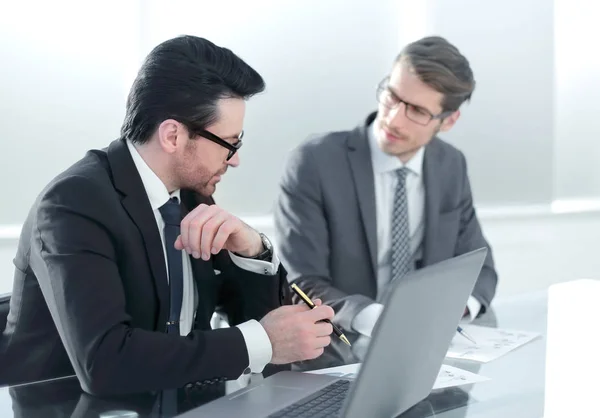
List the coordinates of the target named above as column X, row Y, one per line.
column 383, row 163
column 155, row 189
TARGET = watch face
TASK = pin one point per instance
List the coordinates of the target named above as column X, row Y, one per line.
column 266, row 242
column 267, row 254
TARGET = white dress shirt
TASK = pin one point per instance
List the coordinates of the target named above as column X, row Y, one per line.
column 257, row 341
column 384, row 167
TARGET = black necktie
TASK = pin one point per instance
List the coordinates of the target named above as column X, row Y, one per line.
column 171, row 213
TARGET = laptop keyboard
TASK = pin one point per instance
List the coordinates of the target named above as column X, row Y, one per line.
column 325, row 403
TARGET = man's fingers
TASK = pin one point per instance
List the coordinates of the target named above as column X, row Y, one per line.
column 185, row 226
column 225, row 230
column 323, row 329
column 193, row 228
column 293, row 308
column 179, row 243
column 186, row 223
column 209, row 232
column 197, row 228
column 192, row 225
column 316, row 353
column 322, row 342
column 321, row 312
column 317, row 302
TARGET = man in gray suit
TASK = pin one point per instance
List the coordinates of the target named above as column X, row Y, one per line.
column 358, row 209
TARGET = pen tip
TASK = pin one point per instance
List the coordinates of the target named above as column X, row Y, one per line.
column 468, row 337
column 344, row 339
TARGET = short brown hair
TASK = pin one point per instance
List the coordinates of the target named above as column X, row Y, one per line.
column 440, row 65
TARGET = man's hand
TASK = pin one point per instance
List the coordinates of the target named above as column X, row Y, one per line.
column 296, row 333
column 208, row 229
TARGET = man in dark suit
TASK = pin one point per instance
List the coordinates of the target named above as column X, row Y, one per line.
column 359, row 209
column 124, row 257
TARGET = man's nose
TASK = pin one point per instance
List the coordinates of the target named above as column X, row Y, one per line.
column 397, row 116
column 234, row 161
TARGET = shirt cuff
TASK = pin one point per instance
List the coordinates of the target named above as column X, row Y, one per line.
column 474, row 307
column 258, row 344
column 366, row 319
column 257, row 266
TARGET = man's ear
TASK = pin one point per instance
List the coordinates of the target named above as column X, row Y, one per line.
column 168, row 131
column 449, row 121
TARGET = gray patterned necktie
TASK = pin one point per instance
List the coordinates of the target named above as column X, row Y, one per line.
column 400, row 232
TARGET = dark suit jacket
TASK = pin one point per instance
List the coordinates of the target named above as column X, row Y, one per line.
column 91, row 292
column 325, row 220
column 4, row 301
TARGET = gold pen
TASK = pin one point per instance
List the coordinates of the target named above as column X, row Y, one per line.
column 311, row 305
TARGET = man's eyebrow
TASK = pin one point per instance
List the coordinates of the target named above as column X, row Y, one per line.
column 233, row 136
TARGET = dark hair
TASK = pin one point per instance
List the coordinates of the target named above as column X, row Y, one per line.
column 440, row 65
column 182, row 79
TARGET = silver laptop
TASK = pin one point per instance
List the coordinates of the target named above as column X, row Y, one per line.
column 406, row 352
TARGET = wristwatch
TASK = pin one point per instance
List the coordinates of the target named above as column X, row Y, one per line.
column 267, row 254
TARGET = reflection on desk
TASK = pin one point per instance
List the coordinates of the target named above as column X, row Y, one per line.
column 64, row 398
column 516, row 389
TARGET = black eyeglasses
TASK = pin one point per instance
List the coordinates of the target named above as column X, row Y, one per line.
column 214, row 138
column 415, row 113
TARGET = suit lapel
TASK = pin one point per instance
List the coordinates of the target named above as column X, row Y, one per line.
column 359, row 155
column 431, row 162
column 135, row 201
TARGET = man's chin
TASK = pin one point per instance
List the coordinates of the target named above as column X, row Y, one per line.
column 206, row 190
column 209, row 188
column 404, row 154
column 395, row 150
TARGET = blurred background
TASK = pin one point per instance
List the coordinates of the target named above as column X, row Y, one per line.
column 531, row 133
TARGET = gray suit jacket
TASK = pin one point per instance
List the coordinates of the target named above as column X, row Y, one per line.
column 325, row 220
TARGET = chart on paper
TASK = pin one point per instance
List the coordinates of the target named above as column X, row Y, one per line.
column 448, row 376
column 490, row 343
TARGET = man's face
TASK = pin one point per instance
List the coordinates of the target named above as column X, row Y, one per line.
column 403, row 129
column 200, row 163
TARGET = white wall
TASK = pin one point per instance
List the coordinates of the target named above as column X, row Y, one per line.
column 577, row 140
column 507, row 131
column 61, row 83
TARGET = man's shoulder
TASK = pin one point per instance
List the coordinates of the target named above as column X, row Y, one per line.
column 445, row 146
column 321, row 146
column 83, row 189
column 445, row 151
column 86, row 177
column 328, row 139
